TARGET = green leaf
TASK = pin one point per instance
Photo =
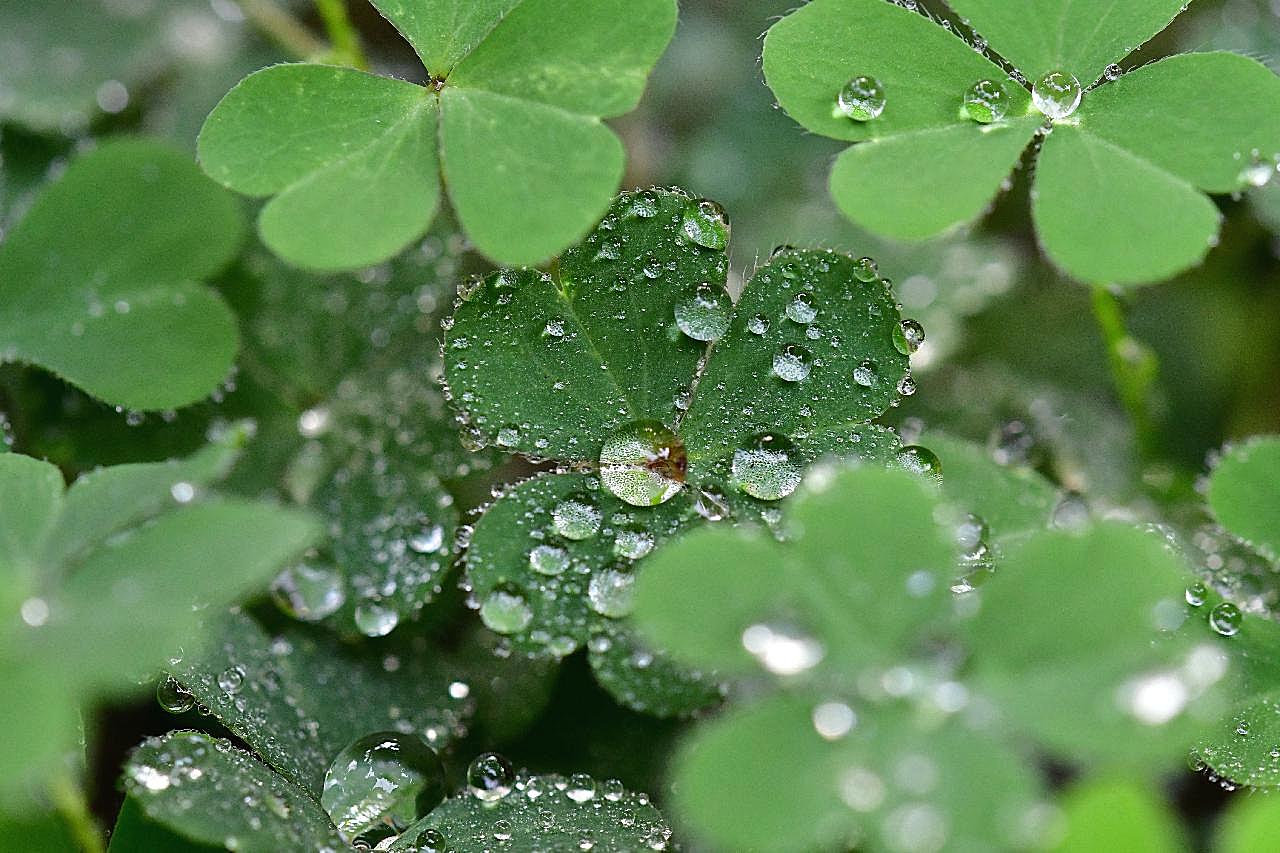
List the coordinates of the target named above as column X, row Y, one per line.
column 1156, row 223
column 648, row 681
column 353, row 160
column 1082, row 37
column 211, row 792
column 763, row 778
column 1112, row 814
column 545, row 813
column 135, row 833
column 31, row 493
column 298, row 696
column 45, row 833
column 99, row 279
column 1242, row 493
column 1130, row 700
column 1249, row 825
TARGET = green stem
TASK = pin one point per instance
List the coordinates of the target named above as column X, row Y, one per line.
column 283, row 28
column 342, row 33
column 1133, row 366
column 70, row 803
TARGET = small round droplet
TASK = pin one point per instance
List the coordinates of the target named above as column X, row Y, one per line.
column 908, row 336
column 576, row 518
column 792, row 363
column 231, row 680
column 308, row 592
column 706, row 224
column 906, row 386
column 1196, row 594
column 643, row 463
column 375, row 619
column 861, row 99
column 986, row 102
column 1259, row 171
column 1225, row 618
column 1057, row 94
column 428, row 840
column 173, row 697
column 705, row 315
column 505, row 611
column 920, row 460
column 386, row 775
column 508, row 436
column 490, row 777
column 548, row 559
column 865, row 373
column 633, row 543
column 866, row 270
column 613, row 790
column 766, row 467
column 502, row 830
column 801, row 309
column 1112, row 73
column 644, row 205
column 582, row 788
column 758, row 324
column 612, row 593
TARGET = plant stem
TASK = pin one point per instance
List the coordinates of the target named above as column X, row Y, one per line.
column 69, row 801
column 1133, row 366
column 342, row 33
column 283, row 28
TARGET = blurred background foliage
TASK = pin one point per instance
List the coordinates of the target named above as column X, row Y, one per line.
column 1013, row 357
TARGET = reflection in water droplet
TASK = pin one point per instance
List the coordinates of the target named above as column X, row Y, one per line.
column 906, row 386
column 792, row 363
column 576, row 518
column 865, row 373
column 382, row 776
column 548, row 559
column 612, row 593
column 706, row 224
column 1057, row 94
column 1225, row 618
column 1196, row 594
column 866, row 270
column 861, row 99
column 633, row 543
column 173, row 697
column 705, row 315
column 1112, row 73
column 308, row 592
column 505, row 611
column 758, row 324
column 908, row 336
column 375, row 619
column 581, row 789
column 643, row 463
column 231, row 680
column 922, row 461
column 986, row 102
column 801, row 308
column 766, row 467
column 490, row 777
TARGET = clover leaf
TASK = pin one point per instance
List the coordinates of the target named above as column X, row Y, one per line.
column 849, row 629
column 99, row 281
column 509, row 121
column 665, row 404
column 102, row 580
column 1243, row 496
column 1123, row 160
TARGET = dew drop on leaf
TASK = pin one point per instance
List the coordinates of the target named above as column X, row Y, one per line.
column 643, row 463
column 1196, row 594
column 792, row 363
column 986, row 102
column 173, row 697
column 231, row 680
column 576, row 518
column 1112, row 73
column 766, row 467
column 382, row 776
column 865, row 373
column 705, row 315
column 866, row 270
column 612, row 593
column 1057, row 94
column 1225, row 618
column 706, row 224
column 758, row 324
column 308, row 592
column 490, row 777
column 548, row 559
column 801, row 308
column 506, row 612
column 1259, row 171
column 861, row 99
column 581, row 789
column 632, row 543
column 906, row 386
column 922, row 461
column 908, row 336
column 426, row 840
column 375, row 619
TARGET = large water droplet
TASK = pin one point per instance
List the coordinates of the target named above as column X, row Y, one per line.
column 506, row 612
column 426, row 840
column 633, row 543
column 758, row 324
column 908, row 336
column 576, row 518
column 766, row 467
column 581, row 789
column 308, row 592
column 986, row 101
column 173, row 697
column 861, row 99
column 801, row 308
column 922, row 461
column 792, row 363
column 865, row 373
column 705, row 315
column 383, row 776
column 230, row 680
column 643, row 463
column 1226, row 618
column 1057, row 94
column 612, row 593
column 706, row 224
column 548, row 559
column 490, row 777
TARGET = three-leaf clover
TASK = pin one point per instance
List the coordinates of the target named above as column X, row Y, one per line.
column 664, row 404
column 104, row 579
column 1123, row 160
column 509, row 121
column 99, row 281
column 853, row 622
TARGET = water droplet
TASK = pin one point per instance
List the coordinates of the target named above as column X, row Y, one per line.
column 906, row 386
column 554, row 328
column 375, row 619
column 801, row 308
column 508, row 436
column 758, row 324
column 633, row 543
column 711, row 505
column 502, row 829
column 861, row 99
column 612, row 593
column 581, row 789
column 1196, row 594
column 644, row 205
column 506, row 612
column 705, row 315
column 833, row 720
column 782, row 650
column 308, row 592
column 908, row 336
column 1112, row 73
column 792, row 363
column 231, row 680
column 490, row 777
column 173, row 697
column 920, row 460
column 576, row 518
column 613, row 790
column 1258, row 172
column 865, row 373
column 766, row 467
column 1057, row 94
column 428, row 840
column 548, row 559
column 866, row 270
column 1225, row 618
column 643, row 463
column 971, row 533
column 381, row 776
column 986, row 102
column 706, row 224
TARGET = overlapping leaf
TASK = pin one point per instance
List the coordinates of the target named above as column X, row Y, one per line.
column 510, row 120
column 1120, row 185
column 99, row 282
